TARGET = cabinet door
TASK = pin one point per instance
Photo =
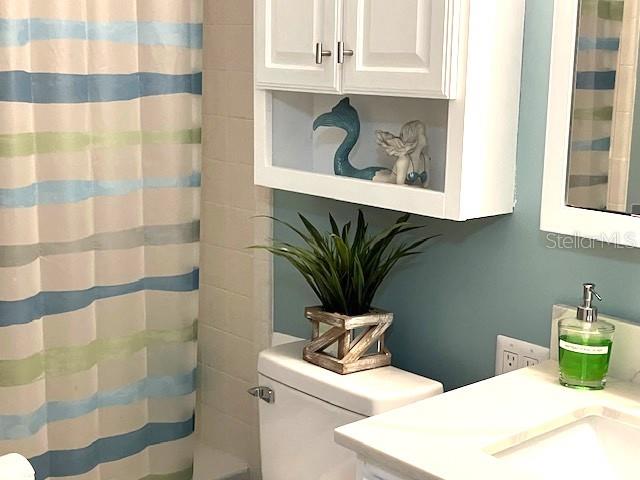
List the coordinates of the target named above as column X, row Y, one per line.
column 288, row 32
column 401, row 47
column 366, row 471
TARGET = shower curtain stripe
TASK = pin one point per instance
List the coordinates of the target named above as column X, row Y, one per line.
column 64, row 361
column 152, row 235
column 25, row 144
column 100, row 174
column 20, row 32
column 20, row 86
column 65, row 191
column 132, row 464
column 21, row 426
column 61, row 463
column 52, row 303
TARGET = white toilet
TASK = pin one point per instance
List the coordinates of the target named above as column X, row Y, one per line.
column 302, row 404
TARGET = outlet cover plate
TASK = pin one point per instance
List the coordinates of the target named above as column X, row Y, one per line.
column 528, row 353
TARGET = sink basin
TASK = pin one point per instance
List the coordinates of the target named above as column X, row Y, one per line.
column 594, row 447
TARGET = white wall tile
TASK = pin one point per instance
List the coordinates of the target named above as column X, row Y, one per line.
column 236, row 292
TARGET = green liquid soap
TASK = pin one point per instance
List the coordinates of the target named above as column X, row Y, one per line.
column 584, row 370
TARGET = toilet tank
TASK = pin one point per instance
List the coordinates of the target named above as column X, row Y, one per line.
column 296, row 430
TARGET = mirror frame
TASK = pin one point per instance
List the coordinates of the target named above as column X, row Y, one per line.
column 556, row 216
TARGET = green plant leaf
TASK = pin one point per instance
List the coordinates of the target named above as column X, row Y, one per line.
column 361, row 231
column 345, row 231
column 346, row 274
column 334, row 225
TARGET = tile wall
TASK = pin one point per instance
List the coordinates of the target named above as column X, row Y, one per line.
column 236, row 286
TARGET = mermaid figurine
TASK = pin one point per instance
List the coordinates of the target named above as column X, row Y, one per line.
column 412, row 164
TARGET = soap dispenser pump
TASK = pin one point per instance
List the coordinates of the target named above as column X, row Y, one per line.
column 585, row 345
column 587, row 312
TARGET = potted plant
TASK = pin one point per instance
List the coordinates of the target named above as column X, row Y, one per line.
column 345, row 270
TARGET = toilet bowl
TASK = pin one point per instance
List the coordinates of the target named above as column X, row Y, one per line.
column 301, row 405
column 15, row 467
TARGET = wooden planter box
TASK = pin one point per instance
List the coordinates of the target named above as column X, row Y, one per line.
column 354, row 351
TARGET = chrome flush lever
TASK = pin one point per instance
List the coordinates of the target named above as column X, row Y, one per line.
column 321, row 53
column 263, row 393
column 342, row 52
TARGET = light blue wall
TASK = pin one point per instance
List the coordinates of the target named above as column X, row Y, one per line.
column 482, row 277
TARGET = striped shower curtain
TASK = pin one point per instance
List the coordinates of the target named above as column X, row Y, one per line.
column 99, row 193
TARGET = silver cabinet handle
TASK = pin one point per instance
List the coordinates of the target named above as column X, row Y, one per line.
column 321, row 53
column 342, row 52
column 263, row 393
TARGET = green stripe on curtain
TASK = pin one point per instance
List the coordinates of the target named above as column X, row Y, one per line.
column 23, row 144
column 57, row 362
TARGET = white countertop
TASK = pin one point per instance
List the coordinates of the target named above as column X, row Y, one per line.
column 454, row 436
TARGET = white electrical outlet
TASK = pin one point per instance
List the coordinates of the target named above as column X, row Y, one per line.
column 528, row 362
column 512, row 354
column 510, row 361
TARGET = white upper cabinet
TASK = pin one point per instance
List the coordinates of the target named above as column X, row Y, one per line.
column 399, row 48
column 414, row 108
column 295, row 42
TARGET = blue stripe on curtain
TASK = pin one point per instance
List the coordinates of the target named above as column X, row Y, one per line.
column 13, row 427
column 62, row 463
column 596, row 80
column 68, row 191
column 19, row 312
column 20, row 86
column 600, row 43
column 20, row 32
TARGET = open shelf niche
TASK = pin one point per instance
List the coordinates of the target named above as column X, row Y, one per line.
column 299, row 159
column 296, row 146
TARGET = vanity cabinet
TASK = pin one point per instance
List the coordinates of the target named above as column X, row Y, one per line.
column 368, row 471
column 344, row 87
column 379, row 47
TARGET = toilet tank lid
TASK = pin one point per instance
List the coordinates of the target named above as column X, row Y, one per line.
column 368, row 393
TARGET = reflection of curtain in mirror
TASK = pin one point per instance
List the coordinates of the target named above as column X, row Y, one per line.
column 597, row 62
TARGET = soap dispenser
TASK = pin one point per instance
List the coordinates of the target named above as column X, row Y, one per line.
column 585, row 345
